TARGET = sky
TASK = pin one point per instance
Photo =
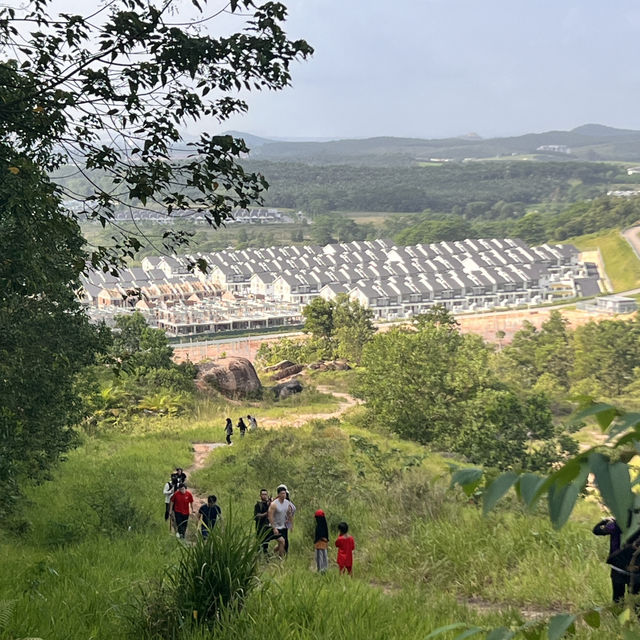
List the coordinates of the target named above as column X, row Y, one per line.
column 437, row 68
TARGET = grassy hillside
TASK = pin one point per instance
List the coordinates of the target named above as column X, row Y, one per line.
column 621, row 263
column 425, row 555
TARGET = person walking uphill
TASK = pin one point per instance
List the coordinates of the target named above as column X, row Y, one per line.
column 278, row 513
column 181, row 506
column 228, row 429
column 168, row 492
column 209, row 514
column 261, row 517
column 346, row 545
column 242, row 427
column 321, row 542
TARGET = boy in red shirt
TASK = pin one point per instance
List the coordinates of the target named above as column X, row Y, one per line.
column 346, row 545
column 181, row 504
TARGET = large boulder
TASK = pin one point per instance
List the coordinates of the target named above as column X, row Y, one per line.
column 283, row 364
column 233, row 377
column 287, row 372
column 286, row 389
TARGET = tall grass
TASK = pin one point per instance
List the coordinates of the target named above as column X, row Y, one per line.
column 425, row 556
column 210, row 581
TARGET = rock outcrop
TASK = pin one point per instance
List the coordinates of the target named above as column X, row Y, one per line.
column 330, row 365
column 283, row 364
column 288, row 371
column 286, row 389
column 233, row 377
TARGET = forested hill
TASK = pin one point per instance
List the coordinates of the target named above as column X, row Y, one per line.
column 590, row 142
column 317, row 189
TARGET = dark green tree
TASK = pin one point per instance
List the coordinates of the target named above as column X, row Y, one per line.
column 106, row 95
column 45, row 337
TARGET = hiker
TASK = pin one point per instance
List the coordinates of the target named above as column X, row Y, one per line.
column 621, row 557
column 261, row 518
column 321, row 541
column 168, row 492
column 228, row 429
column 289, row 521
column 209, row 514
column 277, row 515
column 253, row 423
column 242, row 427
column 181, row 506
column 178, row 477
column 346, row 545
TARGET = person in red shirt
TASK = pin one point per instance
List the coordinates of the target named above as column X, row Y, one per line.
column 181, row 505
column 346, row 544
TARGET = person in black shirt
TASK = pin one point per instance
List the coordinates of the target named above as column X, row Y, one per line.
column 260, row 515
column 242, row 427
column 619, row 580
column 178, row 477
column 209, row 514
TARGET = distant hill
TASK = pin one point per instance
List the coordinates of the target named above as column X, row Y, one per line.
column 591, row 142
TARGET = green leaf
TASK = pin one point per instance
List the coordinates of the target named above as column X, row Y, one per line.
column 501, row 633
column 603, row 412
column 468, row 479
column 497, row 489
column 559, row 625
column 449, row 627
column 627, row 421
column 614, row 485
column 625, row 616
column 592, row 618
column 529, row 485
column 562, row 498
column 469, row 632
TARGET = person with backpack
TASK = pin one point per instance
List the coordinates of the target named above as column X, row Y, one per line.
column 168, row 492
column 228, row 429
column 321, row 541
column 209, row 514
column 253, row 423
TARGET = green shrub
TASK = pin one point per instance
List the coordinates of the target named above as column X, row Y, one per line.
column 211, row 579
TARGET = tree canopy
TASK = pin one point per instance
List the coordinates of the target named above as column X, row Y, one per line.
column 109, row 92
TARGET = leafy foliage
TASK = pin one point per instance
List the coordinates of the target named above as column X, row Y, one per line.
column 45, row 338
column 110, row 93
column 435, row 385
column 609, row 465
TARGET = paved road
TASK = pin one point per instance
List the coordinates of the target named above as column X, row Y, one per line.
column 631, row 236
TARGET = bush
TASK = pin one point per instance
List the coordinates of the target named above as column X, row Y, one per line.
column 212, row 579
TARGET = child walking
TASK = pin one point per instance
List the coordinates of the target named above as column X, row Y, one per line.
column 346, row 545
column 321, row 542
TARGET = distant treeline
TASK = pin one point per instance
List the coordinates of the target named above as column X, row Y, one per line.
column 319, row 189
column 551, row 223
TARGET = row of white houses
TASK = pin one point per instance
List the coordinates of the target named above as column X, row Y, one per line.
column 397, row 281
column 394, row 281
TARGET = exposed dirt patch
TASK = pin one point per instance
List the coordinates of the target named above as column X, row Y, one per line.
column 528, row 613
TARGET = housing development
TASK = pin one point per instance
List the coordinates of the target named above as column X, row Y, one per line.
column 266, row 288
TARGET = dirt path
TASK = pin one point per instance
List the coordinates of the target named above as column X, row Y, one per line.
column 201, row 450
column 346, row 402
